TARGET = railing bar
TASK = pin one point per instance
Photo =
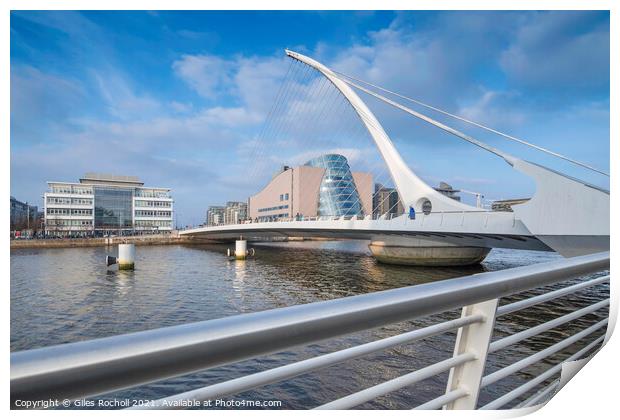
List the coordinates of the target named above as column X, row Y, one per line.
column 552, row 387
column 396, row 384
column 237, row 385
column 526, row 303
column 515, row 367
column 446, row 398
column 530, row 332
column 506, row 398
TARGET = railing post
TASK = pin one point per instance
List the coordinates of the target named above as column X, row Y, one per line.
column 474, row 338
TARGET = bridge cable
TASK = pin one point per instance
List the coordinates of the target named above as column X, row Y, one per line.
column 296, row 114
column 336, row 106
column 279, row 122
column 365, row 119
column 270, row 121
column 508, row 136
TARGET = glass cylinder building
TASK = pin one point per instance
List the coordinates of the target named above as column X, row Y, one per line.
column 338, row 195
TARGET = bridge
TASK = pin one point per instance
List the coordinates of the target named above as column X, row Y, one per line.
column 565, row 214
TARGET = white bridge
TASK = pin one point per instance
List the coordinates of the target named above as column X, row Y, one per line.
column 564, row 215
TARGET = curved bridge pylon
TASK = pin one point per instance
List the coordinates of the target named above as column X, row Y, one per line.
column 568, row 215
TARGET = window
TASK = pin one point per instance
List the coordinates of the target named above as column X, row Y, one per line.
column 81, row 212
column 82, row 190
column 153, row 223
column 427, row 207
column 152, row 193
column 281, row 197
column 58, row 200
column 153, row 213
column 273, row 208
column 143, row 203
column 286, row 196
column 113, row 207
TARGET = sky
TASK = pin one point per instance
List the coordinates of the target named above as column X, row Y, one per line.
column 180, row 98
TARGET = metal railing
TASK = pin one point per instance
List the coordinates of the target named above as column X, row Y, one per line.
column 89, row 368
column 419, row 217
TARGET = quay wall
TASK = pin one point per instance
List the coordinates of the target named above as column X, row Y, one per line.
column 89, row 242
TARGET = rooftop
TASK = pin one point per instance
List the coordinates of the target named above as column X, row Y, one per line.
column 91, row 177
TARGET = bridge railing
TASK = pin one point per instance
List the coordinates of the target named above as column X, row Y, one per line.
column 89, row 368
column 440, row 216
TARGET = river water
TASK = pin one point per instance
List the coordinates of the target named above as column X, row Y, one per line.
column 67, row 295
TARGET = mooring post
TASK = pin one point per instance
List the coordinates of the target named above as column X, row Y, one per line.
column 126, row 256
column 241, row 248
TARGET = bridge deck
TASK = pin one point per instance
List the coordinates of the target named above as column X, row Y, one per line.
column 483, row 229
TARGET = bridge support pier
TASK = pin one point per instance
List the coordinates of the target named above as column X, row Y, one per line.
column 423, row 252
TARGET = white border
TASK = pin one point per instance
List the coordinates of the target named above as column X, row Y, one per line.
column 590, row 394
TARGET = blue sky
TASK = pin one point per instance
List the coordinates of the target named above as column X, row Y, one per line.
column 177, row 98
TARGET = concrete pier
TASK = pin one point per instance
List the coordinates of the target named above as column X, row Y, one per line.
column 422, row 252
column 126, row 256
column 241, row 249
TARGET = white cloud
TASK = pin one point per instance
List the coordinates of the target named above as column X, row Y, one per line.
column 121, row 99
column 229, row 117
column 253, row 81
column 180, row 107
column 40, row 102
column 207, row 74
column 495, row 108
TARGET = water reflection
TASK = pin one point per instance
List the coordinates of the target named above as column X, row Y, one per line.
column 123, row 280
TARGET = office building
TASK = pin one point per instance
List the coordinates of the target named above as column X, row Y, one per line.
column 102, row 204
column 386, row 201
column 324, row 186
column 23, row 215
column 235, row 212
column 215, row 215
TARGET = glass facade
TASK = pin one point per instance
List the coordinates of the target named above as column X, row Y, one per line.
column 113, row 207
column 338, row 193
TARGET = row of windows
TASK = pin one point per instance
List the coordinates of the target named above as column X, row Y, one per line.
column 141, row 203
column 284, row 197
column 68, row 189
column 152, row 194
column 64, row 222
column 153, row 223
column 70, row 212
column 67, row 200
column 273, row 208
column 153, row 213
column 272, row 217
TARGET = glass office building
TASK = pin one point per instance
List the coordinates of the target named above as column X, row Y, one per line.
column 338, row 195
column 102, row 204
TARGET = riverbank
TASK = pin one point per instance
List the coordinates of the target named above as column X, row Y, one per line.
column 91, row 242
